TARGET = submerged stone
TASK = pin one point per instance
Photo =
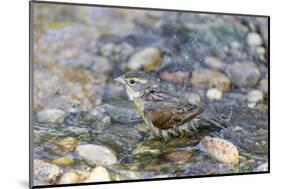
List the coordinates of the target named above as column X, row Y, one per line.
column 263, row 167
column 45, row 173
column 99, row 174
column 69, row 178
column 96, row 154
column 67, row 144
column 65, row 160
column 51, row 115
column 179, row 156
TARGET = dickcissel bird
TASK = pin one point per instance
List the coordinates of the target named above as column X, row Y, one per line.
column 165, row 113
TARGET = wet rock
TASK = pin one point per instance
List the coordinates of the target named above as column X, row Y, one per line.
column 148, row 59
column 99, row 114
column 77, row 130
column 96, row 154
column 156, row 167
column 243, row 74
column 255, row 96
column 175, row 77
column 121, row 174
column 119, row 137
column 220, row 149
column 214, row 62
column 69, row 178
column 67, row 144
column 264, row 86
column 214, row 94
column 146, row 148
column 99, row 174
column 179, row 156
column 254, row 39
column 210, row 78
column 161, row 176
column 101, row 65
column 122, row 115
column 51, row 115
column 45, row 173
column 65, row 160
column 263, row 167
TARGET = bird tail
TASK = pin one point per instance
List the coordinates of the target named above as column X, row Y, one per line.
column 213, row 119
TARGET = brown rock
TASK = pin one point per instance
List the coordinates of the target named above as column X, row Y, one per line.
column 214, row 62
column 220, row 149
column 179, row 156
column 210, row 78
column 175, row 77
column 148, row 59
column 264, row 86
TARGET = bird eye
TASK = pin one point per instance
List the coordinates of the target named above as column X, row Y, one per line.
column 132, row 82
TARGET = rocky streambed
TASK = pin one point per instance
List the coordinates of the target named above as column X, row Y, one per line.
column 85, row 129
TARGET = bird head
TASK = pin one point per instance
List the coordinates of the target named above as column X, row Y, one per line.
column 136, row 82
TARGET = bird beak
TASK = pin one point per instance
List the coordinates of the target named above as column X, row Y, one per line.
column 120, row 79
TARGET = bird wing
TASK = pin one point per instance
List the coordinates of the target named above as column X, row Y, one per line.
column 166, row 115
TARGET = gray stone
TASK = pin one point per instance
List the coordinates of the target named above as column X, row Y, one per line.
column 96, row 154
column 101, row 65
column 77, row 130
column 243, row 74
column 45, row 173
column 51, row 115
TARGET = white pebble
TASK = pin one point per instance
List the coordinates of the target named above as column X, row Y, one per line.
column 214, row 94
column 254, row 96
column 254, row 39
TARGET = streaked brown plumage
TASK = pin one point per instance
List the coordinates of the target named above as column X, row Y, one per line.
column 166, row 114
